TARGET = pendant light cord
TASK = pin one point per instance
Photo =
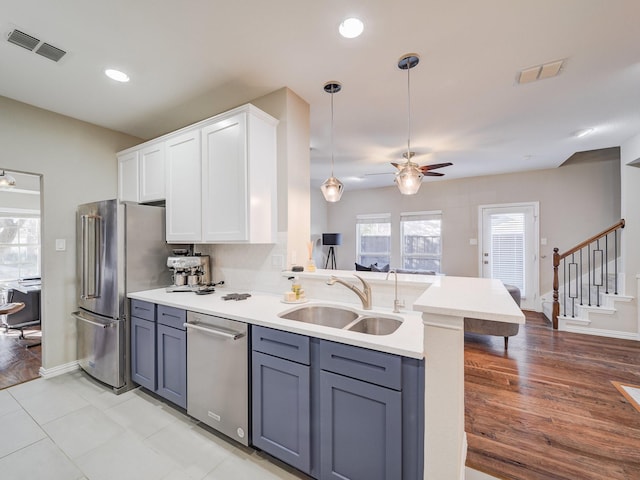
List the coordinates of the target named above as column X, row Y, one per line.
column 409, row 113
column 331, row 132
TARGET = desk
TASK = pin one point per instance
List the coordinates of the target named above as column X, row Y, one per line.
column 25, row 286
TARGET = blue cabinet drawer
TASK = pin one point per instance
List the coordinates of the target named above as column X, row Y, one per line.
column 289, row 346
column 172, row 317
column 144, row 310
column 380, row 368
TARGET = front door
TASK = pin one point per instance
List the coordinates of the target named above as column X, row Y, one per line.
column 509, row 247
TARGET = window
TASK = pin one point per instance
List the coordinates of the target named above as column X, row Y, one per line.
column 373, row 239
column 421, row 240
column 19, row 244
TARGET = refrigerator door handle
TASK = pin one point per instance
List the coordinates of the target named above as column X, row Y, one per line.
column 91, row 322
column 91, row 242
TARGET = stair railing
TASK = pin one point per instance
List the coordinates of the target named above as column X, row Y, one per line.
column 598, row 256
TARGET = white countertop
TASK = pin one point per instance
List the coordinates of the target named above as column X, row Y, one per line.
column 482, row 298
column 263, row 309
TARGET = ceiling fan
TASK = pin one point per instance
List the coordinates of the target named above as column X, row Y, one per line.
column 425, row 169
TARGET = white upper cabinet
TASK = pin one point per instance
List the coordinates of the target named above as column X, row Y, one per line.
column 183, row 188
column 141, row 173
column 128, row 177
column 239, row 178
column 152, row 173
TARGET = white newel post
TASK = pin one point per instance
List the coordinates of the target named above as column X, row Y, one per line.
column 445, row 446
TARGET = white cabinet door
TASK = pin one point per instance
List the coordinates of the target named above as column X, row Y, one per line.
column 128, row 186
column 183, row 188
column 152, row 173
column 224, row 180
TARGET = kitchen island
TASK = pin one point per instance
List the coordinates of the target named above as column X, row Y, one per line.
column 433, row 331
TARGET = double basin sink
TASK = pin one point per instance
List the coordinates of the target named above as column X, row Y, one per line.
column 343, row 318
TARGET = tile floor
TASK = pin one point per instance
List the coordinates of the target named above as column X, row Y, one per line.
column 71, row 428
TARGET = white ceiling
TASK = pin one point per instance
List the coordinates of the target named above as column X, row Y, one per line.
column 191, row 59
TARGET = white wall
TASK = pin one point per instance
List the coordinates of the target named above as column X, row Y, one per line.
column 77, row 163
column 576, row 201
column 630, row 187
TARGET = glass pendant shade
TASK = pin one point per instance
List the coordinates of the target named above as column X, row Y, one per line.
column 7, row 181
column 409, row 179
column 332, row 189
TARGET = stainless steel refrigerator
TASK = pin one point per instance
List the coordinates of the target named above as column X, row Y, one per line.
column 120, row 249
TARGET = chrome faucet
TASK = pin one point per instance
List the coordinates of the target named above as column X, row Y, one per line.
column 364, row 295
column 397, row 304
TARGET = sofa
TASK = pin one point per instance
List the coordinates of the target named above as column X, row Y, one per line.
column 490, row 327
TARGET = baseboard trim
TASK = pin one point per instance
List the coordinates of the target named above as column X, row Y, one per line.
column 59, row 370
column 602, row 333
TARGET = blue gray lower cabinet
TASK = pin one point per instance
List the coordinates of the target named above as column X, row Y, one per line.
column 336, row 411
column 172, row 365
column 159, row 350
column 143, row 352
column 281, row 407
column 360, row 429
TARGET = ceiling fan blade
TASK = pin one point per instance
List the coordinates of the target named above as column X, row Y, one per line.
column 433, row 174
column 426, row 168
column 395, row 165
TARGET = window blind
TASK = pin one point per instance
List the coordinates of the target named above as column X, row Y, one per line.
column 508, row 249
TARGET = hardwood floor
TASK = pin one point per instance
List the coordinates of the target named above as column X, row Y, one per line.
column 17, row 363
column 546, row 409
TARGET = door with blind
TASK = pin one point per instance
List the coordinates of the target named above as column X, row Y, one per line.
column 509, row 247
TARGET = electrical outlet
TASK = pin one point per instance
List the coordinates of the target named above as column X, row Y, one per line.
column 277, row 261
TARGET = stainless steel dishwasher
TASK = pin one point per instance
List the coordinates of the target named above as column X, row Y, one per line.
column 218, row 374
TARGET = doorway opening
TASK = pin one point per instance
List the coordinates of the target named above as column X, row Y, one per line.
column 20, row 279
column 508, row 250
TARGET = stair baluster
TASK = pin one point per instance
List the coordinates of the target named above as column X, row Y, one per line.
column 597, row 264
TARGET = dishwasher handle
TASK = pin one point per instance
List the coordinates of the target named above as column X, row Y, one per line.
column 214, row 331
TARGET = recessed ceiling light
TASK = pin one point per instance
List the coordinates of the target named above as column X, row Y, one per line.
column 116, row 75
column 351, row 27
column 583, row 133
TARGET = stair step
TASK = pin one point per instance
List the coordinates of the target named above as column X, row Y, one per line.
column 573, row 320
column 618, row 298
column 597, row 309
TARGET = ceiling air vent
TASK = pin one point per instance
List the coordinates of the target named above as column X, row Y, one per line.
column 50, row 52
column 23, row 40
column 44, row 49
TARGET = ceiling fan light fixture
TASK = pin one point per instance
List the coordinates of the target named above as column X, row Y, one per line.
column 409, row 178
column 6, row 180
column 332, row 188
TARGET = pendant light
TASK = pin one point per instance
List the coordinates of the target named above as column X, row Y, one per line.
column 409, row 175
column 332, row 187
column 7, row 181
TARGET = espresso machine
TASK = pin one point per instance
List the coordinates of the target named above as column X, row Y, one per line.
column 190, row 273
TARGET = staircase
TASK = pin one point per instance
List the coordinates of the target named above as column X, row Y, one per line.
column 587, row 289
